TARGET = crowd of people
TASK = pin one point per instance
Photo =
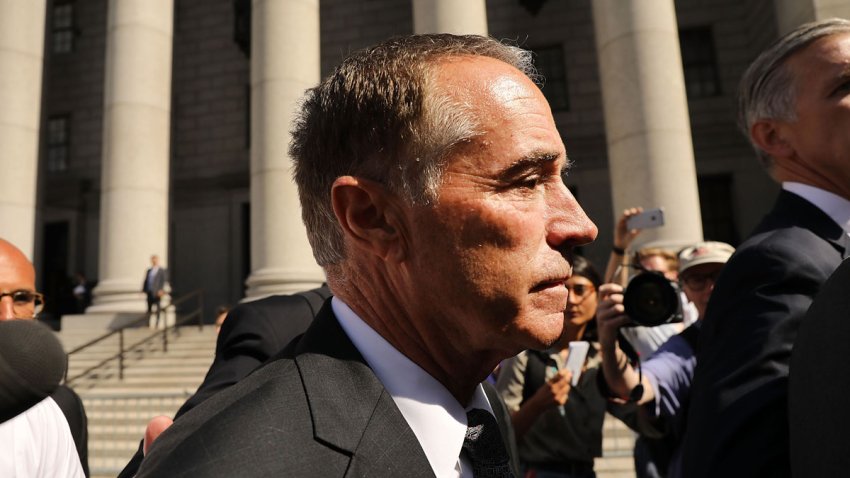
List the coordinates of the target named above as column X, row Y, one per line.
column 429, row 170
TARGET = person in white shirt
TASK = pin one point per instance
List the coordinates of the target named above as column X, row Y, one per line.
column 38, row 442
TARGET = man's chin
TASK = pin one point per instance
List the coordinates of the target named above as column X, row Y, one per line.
column 545, row 333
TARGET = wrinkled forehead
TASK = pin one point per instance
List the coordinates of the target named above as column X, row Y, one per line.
column 486, row 80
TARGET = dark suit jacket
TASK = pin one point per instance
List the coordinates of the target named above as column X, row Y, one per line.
column 158, row 283
column 819, row 416
column 737, row 422
column 253, row 332
column 316, row 409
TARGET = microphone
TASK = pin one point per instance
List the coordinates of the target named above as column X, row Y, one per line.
column 32, row 364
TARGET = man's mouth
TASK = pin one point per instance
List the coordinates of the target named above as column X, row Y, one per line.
column 549, row 284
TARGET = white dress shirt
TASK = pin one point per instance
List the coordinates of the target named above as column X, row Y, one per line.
column 435, row 416
column 833, row 205
column 38, row 444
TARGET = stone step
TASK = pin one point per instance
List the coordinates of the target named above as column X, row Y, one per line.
column 617, row 450
column 141, row 388
column 110, row 465
column 200, row 358
column 110, row 411
column 186, row 356
column 110, row 372
column 113, row 347
column 71, row 340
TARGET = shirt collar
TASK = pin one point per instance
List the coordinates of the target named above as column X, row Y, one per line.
column 833, row 205
column 435, row 417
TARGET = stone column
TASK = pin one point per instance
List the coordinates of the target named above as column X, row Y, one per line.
column 284, row 63
column 792, row 13
column 450, row 16
column 135, row 179
column 650, row 153
column 21, row 53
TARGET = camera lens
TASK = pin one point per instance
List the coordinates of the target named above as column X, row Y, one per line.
column 651, row 299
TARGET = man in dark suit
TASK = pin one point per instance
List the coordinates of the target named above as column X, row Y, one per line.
column 819, row 383
column 153, row 286
column 795, row 106
column 429, row 171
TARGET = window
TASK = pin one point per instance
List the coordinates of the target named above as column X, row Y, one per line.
column 715, row 203
column 58, row 143
column 549, row 62
column 242, row 25
column 699, row 62
column 63, row 27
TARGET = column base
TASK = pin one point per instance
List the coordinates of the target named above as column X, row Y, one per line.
column 118, row 296
column 98, row 321
column 273, row 281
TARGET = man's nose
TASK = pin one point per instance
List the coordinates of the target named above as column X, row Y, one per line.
column 7, row 308
column 568, row 223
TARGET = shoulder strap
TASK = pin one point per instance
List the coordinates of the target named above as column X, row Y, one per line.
column 72, row 407
column 535, row 373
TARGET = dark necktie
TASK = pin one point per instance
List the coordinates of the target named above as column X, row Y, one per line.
column 484, row 447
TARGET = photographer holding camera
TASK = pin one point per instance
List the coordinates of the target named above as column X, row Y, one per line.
column 644, row 340
column 661, row 385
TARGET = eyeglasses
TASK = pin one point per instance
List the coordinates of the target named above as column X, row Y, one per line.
column 698, row 282
column 580, row 291
column 26, row 304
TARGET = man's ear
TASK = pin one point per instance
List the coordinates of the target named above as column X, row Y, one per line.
column 771, row 137
column 369, row 216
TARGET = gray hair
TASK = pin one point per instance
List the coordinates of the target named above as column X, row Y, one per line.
column 767, row 87
column 380, row 116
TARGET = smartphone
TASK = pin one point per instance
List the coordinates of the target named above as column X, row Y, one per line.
column 575, row 359
column 646, row 219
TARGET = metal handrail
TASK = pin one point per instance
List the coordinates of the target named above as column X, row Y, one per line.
column 196, row 313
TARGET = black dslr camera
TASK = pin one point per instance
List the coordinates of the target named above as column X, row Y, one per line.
column 650, row 299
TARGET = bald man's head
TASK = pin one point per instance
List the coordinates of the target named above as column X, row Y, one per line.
column 16, row 274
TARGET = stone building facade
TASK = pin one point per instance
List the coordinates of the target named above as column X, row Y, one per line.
column 644, row 99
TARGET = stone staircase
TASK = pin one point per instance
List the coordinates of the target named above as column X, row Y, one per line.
column 154, row 383
column 618, row 441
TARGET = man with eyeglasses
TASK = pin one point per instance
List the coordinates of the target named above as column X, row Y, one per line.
column 662, row 387
column 37, row 442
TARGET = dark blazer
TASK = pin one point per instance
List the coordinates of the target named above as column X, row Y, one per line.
column 737, row 421
column 316, row 409
column 252, row 332
column 157, row 284
column 819, row 416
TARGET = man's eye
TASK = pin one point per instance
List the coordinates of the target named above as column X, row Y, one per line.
column 529, row 182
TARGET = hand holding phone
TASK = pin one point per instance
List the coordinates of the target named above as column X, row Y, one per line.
column 646, row 219
column 575, row 360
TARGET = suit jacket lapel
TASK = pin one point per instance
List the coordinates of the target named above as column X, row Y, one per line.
column 350, row 408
